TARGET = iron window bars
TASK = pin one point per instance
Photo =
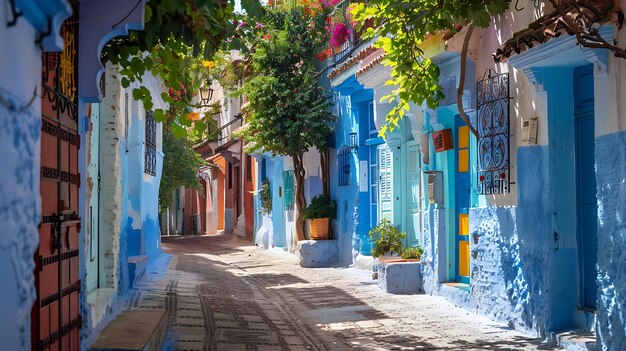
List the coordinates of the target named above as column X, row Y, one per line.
column 492, row 103
column 150, row 148
column 343, row 157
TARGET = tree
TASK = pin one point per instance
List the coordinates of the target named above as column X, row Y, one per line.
column 402, row 26
column 288, row 111
column 180, row 167
column 177, row 34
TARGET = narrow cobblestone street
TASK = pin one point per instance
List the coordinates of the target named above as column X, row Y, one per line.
column 224, row 294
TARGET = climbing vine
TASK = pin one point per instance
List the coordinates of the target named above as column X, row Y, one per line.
column 401, row 27
column 178, row 45
column 266, row 197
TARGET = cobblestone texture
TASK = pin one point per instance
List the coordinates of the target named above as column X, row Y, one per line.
column 223, row 294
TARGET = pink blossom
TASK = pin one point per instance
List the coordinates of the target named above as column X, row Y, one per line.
column 339, row 35
column 259, row 25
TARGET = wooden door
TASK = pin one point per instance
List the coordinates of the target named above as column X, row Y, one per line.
column 56, row 312
column 586, row 200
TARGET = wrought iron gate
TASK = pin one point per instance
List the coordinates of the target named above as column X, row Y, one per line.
column 56, row 313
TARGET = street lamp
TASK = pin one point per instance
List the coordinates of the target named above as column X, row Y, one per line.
column 206, row 93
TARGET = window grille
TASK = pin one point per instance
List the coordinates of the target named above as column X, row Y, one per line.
column 263, row 170
column 288, row 184
column 492, row 102
column 150, row 147
column 344, row 166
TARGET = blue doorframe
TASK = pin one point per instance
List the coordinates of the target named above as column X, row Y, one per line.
column 462, row 199
column 586, row 201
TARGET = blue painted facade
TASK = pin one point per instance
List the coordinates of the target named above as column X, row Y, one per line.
column 354, row 214
column 610, row 152
column 535, row 260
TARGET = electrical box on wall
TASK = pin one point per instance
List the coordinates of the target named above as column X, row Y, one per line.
column 434, row 188
column 529, row 130
column 442, row 140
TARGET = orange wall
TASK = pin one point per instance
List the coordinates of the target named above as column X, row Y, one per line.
column 220, row 201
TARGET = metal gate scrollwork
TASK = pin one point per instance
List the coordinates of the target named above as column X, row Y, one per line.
column 492, row 95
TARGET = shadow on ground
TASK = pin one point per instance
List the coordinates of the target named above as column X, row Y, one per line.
column 282, row 312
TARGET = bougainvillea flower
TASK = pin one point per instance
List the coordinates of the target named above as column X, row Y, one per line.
column 193, row 116
column 339, row 35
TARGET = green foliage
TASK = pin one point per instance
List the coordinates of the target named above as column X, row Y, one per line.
column 176, row 36
column 180, row 165
column 321, row 206
column 401, row 27
column 288, row 108
column 412, row 253
column 266, row 197
column 387, row 238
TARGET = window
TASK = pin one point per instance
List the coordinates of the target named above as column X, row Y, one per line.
column 230, row 175
column 385, row 174
column 493, row 133
column 344, row 166
column 248, row 168
column 288, row 180
column 263, row 170
column 150, row 147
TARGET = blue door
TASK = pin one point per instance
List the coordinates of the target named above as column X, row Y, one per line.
column 278, row 214
column 461, row 200
column 586, row 201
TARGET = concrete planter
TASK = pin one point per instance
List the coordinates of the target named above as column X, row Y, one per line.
column 317, row 253
column 400, row 277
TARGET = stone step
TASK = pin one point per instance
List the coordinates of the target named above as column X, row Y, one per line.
column 133, row 330
column 136, row 267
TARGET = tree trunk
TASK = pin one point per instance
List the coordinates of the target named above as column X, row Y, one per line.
column 459, row 92
column 300, row 200
column 324, row 164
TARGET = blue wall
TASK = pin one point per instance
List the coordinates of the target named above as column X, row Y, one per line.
column 512, row 251
column 611, row 179
column 352, row 225
column 142, row 194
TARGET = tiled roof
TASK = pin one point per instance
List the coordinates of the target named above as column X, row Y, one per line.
column 369, row 62
column 551, row 26
column 352, row 61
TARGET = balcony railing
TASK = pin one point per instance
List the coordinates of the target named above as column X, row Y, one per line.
column 354, row 39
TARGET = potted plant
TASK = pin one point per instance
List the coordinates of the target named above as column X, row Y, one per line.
column 387, row 239
column 412, row 253
column 318, row 213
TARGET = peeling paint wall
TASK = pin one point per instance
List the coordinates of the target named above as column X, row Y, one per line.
column 112, row 150
column 20, row 205
column 611, row 179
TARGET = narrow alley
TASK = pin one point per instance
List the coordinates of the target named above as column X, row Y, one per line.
column 222, row 293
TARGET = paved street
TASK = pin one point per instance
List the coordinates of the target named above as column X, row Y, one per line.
column 224, row 294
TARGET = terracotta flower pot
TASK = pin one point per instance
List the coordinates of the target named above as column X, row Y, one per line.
column 318, row 228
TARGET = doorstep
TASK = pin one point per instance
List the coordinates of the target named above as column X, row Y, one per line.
column 133, row 330
column 461, row 286
column 582, row 340
column 99, row 301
